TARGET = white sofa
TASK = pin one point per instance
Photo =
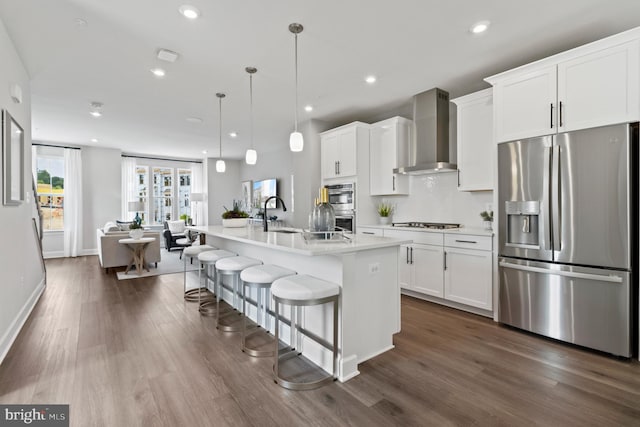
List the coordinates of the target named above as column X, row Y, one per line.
column 114, row 254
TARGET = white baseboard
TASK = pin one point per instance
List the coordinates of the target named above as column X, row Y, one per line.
column 16, row 326
column 53, row 254
column 86, row 252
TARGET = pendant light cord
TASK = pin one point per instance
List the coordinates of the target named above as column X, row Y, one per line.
column 296, row 59
column 251, row 105
column 220, row 127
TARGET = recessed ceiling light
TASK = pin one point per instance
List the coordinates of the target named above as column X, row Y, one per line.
column 189, row 11
column 94, row 139
column 479, row 27
column 79, row 22
column 194, row 119
column 308, row 108
column 233, row 134
column 95, row 113
column 158, row 72
column 370, row 79
column 204, row 151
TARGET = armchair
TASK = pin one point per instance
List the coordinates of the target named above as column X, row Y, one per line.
column 174, row 231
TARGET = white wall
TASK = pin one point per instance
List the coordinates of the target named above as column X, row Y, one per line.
column 21, row 278
column 435, row 198
column 101, row 192
column 222, row 188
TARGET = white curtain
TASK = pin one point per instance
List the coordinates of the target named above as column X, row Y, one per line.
column 128, row 186
column 72, row 202
column 197, row 187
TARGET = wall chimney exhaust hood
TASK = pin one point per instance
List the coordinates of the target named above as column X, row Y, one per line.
column 429, row 146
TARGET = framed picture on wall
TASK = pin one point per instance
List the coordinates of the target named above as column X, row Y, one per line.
column 12, row 160
column 246, row 195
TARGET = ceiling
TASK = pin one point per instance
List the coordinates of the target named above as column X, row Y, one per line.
column 410, row 45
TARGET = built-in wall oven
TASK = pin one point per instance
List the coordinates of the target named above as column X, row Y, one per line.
column 342, row 198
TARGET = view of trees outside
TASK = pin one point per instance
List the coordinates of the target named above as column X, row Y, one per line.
column 50, row 171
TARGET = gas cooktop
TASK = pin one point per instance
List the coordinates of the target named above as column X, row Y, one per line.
column 430, row 225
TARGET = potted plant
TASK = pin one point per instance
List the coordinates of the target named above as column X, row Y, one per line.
column 235, row 217
column 135, row 230
column 487, row 217
column 384, row 211
column 185, row 218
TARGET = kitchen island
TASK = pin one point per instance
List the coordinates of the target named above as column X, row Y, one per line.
column 366, row 269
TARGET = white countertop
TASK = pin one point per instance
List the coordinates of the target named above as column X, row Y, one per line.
column 474, row 231
column 295, row 243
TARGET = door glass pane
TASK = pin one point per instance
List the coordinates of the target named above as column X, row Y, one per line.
column 162, row 194
column 184, row 190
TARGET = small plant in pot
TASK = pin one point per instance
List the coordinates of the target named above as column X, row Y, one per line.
column 235, row 217
column 384, row 211
column 135, row 230
column 487, row 217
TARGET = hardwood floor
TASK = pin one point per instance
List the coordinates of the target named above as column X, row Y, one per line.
column 134, row 353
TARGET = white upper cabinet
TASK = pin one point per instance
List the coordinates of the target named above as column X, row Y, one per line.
column 524, row 105
column 388, row 141
column 475, row 141
column 598, row 89
column 338, row 150
column 593, row 85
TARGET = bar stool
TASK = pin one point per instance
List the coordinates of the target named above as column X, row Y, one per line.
column 230, row 267
column 259, row 277
column 208, row 259
column 302, row 291
column 193, row 295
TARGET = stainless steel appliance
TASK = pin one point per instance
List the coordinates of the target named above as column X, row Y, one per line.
column 342, row 199
column 428, row 225
column 567, row 236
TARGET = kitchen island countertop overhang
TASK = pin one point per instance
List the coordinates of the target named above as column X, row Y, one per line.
column 366, row 269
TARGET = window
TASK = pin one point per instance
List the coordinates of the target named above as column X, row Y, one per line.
column 184, row 191
column 50, row 176
column 142, row 190
column 162, row 194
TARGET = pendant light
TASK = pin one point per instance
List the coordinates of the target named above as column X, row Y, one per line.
column 252, row 155
column 296, row 142
column 220, row 165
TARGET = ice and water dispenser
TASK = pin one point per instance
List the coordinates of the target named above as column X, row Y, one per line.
column 523, row 219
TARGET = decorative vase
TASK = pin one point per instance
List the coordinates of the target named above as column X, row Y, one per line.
column 488, row 225
column 136, row 233
column 235, row 222
column 384, row 220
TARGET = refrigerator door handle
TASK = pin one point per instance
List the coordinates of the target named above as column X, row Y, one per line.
column 555, row 198
column 546, row 200
column 611, row 278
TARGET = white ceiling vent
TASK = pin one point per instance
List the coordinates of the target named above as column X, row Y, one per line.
column 167, row 55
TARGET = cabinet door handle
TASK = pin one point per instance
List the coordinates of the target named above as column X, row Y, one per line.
column 560, row 112
column 458, row 177
column 445, row 260
column 338, row 167
column 411, row 255
column 551, row 116
column 394, row 183
column 407, row 254
column 335, row 168
column 466, row 241
column 368, row 232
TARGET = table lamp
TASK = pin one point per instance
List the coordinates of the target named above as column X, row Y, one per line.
column 136, row 207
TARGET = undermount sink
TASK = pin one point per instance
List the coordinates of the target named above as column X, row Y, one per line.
column 285, row 231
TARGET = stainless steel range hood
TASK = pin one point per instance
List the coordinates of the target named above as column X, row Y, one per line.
column 429, row 147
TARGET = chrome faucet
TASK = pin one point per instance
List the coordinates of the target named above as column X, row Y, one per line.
column 266, row 217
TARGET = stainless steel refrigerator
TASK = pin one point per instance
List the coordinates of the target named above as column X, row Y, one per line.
column 567, row 236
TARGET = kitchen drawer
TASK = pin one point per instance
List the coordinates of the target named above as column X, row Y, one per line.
column 424, row 237
column 370, row 231
column 468, row 241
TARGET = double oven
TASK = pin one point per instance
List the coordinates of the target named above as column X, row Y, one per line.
column 343, row 200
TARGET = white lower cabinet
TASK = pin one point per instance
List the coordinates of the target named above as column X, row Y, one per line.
column 468, row 266
column 454, row 267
